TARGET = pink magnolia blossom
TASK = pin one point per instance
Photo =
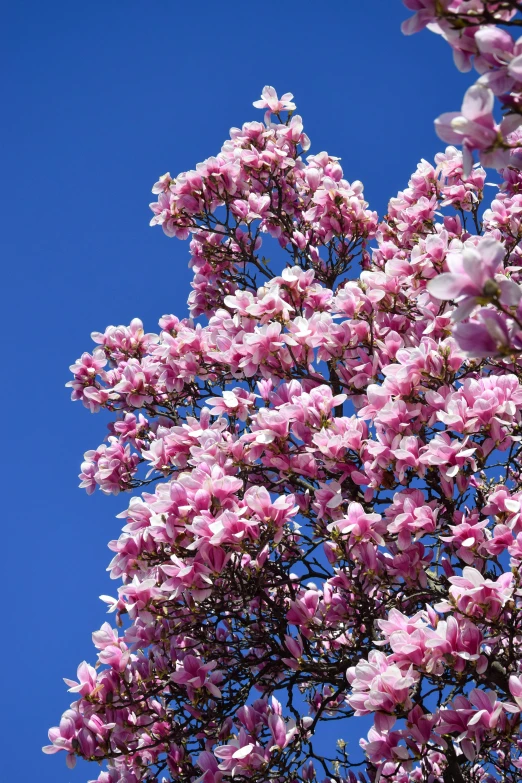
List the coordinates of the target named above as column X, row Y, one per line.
column 270, row 100
column 471, row 279
column 192, row 673
column 486, row 335
column 476, row 596
column 86, row 680
column 475, row 128
column 240, row 754
column 378, row 685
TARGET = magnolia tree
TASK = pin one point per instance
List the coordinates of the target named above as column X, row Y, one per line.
column 328, row 449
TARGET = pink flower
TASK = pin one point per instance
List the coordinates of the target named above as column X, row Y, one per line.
column 234, row 402
column 449, row 454
column 474, row 128
column 134, row 385
column 359, row 525
column 490, row 711
column 207, row 763
column 282, row 731
column 163, row 184
column 241, row 754
column 383, row 750
column 502, row 540
column 192, row 672
column 378, row 685
column 270, row 100
column 294, row 646
column 87, row 680
column 476, row 596
column 305, row 611
column 488, row 334
column 458, row 637
column 467, row 539
column 471, row 279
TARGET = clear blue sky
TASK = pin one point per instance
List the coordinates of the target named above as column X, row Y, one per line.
column 99, row 98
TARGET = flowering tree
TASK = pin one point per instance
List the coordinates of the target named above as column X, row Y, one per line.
column 331, row 517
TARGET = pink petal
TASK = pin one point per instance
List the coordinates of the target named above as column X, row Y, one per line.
column 241, row 753
column 444, row 128
column 446, row 286
column 515, row 67
column 478, row 103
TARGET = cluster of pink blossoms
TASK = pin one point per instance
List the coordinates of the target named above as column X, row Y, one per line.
column 330, row 523
column 475, row 30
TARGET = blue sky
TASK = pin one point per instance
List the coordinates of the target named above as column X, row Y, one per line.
column 99, row 99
